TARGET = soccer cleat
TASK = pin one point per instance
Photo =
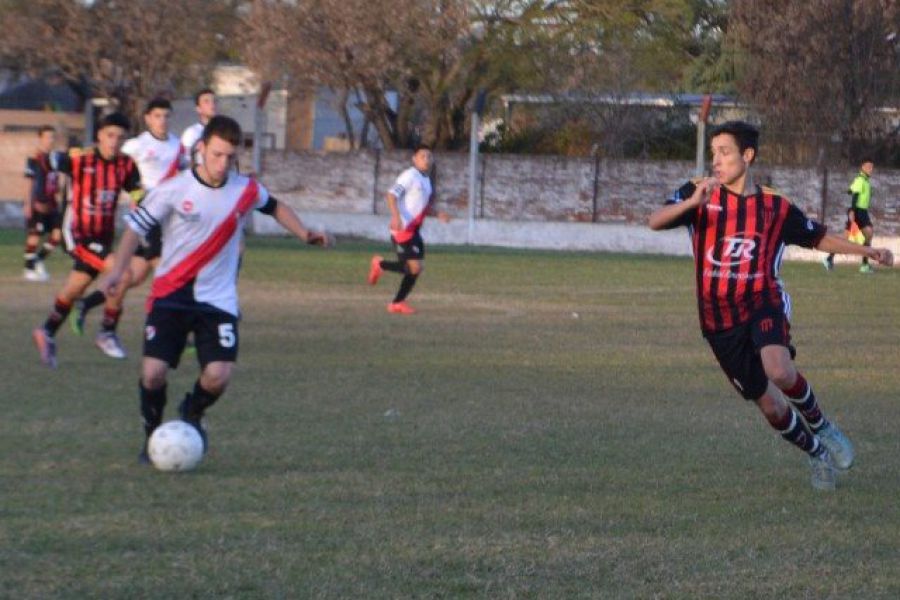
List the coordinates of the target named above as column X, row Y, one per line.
column 34, row 275
column 839, row 446
column 46, row 346
column 195, row 421
column 144, row 455
column 41, row 270
column 77, row 321
column 822, row 471
column 867, row 269
column 109, row 344
column 400, row 308
column 375, row 270
column 828, row 264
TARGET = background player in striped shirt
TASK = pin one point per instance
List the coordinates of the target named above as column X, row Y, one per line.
column 99, row 175
column 159, row 155
column 194, row 289
column 410, row 200
column 739, row 232
column 41, row 204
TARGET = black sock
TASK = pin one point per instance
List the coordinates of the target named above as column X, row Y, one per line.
column 110, row 319
column 57, row 316
column 196, row 403
column 406, row 286
column 95, row 298
column 396, row 266
column 865, row 260
column 152, row 404
column 830, row 259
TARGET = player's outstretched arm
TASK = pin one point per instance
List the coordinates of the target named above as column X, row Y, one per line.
column 664, row 216
column 127, row 246
column 287, row 218
column 837, row 245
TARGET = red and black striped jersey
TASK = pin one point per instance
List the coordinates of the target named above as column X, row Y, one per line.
column 96, row 185
column 739, row 244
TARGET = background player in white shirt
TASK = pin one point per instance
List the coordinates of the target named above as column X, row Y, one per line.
column 410, row 201
column 159, row 156
column 194, row 290
column 205, row 103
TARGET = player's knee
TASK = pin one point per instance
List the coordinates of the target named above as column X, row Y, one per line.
column 414, row 268
column 153, row 379
column 215, row 377
column 781, row 374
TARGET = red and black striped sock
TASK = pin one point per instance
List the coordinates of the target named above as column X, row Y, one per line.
column 803, row 398
column 793, row 429
column 30, row 256
column 110, row 319
column 57, row 316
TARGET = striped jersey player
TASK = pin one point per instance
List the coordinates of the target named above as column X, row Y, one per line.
column 738, row 234
column 410, row 200
column 159, row 156
column 98, row 175
column 194, row 288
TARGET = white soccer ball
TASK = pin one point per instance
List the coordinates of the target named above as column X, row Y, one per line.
column 175, row 446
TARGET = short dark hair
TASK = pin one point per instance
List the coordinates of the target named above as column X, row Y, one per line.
column 745, row 134
column 157, row 103
column 419, row 147
column 202, row 92
column 866, row 159
column 44, row 129
column 114, row 119
column 224, row 128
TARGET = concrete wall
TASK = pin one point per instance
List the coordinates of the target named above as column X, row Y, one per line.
column 551, row 188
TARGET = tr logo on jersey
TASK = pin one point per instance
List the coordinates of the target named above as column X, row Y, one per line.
column 735, row 249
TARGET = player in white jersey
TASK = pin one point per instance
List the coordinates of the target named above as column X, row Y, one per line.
column 410, row 201
column 194, row 289
column 159, row 156
column 205, row 103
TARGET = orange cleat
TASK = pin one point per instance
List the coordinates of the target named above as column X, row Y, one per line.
column 375, row 270
column 400, row 308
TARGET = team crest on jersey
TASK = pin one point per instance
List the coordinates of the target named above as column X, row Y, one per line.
column 187, row 206
column 734, row 249
column 187, row 211
column 150, row 332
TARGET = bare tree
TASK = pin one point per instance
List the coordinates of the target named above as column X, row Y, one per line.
column 429, row 56
column 820, row 69
column 129, row 51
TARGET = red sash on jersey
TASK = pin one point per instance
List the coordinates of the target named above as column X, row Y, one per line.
column 173, row 168
column 404, row 235
column 190, row 266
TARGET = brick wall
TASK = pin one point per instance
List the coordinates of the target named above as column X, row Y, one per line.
column 550, row 188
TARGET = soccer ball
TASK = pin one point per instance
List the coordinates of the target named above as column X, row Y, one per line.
column 175, row 446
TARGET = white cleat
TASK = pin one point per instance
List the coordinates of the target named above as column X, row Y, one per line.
column 34, row 275
column 41, row 270
column 822, row 471
column 109, row 344
column 838, row 445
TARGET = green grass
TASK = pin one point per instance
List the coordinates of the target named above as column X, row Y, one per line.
column 550, row 425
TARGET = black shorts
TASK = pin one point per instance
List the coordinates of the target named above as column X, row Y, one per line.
column 43, row 223
column 861, row 216
column 737, row 350
column 90, row 256
column 414, row 249
column 215, row 334
column 153, row 247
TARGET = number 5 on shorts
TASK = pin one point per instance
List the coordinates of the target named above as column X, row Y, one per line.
column 226, row 335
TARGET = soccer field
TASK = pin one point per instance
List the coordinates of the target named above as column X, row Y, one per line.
column 550, row 425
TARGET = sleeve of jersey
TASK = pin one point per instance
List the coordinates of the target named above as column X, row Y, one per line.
column 265, row 203
column 149, row 213
column 398, row 190
column 802, row 231
column 677, row 197
column 30, row 170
